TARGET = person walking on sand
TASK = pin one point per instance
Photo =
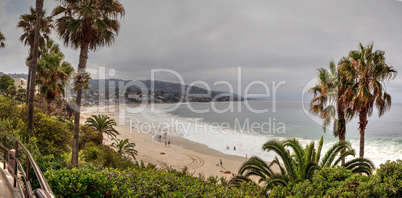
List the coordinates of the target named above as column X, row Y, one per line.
column 169, row 143
column 220, row 162
column 165, row 143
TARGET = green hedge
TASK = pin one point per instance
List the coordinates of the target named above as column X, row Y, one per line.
column 138, row 182
column 339, row 182
column 102, row 156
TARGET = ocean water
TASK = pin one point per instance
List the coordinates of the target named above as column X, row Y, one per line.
column 248, row 125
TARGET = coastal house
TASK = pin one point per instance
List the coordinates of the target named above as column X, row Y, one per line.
column 20, row 83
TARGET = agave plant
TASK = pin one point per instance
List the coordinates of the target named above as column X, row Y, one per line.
column 124, row 147
column 103, row 124
column 298, row 165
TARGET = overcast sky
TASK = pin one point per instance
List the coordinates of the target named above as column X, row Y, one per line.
column 208, row 40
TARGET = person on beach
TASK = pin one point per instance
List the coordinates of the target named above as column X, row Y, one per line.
column 169, row 143
column 227, row 147
column 165, row 143
column 234, row 148
column 220, row 161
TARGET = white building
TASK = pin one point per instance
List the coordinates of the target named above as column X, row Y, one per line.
column 20, row 83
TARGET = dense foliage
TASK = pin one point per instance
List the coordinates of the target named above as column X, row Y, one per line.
column 7, row 85
column 140, row 181
column 298, row 163
column 87, row 134
column 102, row 156
column 54, row 136
column 340, row 182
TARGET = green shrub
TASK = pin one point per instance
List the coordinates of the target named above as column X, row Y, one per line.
column 138, row 182
column 90, row 152
column 8, row 108
column 54, row 137
column 339, row 182
column 390, row 174
column 84, row 182
column 45, row 163
column 102, row 156
column 87, row 134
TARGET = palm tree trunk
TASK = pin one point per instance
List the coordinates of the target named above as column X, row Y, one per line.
column 81, row 72
column 28, row 84
column 39, row 7
column 341, row 118
column 342, row 137
column 29, row 73
column 362, row 127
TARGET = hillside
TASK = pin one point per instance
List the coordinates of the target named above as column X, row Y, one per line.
column 20, row 75
column 159, row 86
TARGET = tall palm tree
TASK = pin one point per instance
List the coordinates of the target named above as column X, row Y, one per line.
column 27, row 23
column 329, row 101
column 325, row 94
column 53, row 72
column 85, row 82
column 86, row 25
column 124, row 147
column 31, row 91
column 103, row 124
column 368, row 90
column 2, row 39
column 300, row 164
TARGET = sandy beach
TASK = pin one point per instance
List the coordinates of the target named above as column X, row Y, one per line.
column 198, row 158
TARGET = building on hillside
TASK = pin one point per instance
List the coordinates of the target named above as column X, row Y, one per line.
column 20, row 83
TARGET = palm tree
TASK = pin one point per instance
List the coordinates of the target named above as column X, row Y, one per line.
column 325, row 94
column 32, row 74
column 124, row 147
column 85, row 82
column 329, row 101
column 2, row 38
column 368, row 90
column 299, row 165
column 86, row 25
column 27, row 23
column 53, row 72
column 103, row 124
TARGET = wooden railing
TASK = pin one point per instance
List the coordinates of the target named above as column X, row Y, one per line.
column 20, row 175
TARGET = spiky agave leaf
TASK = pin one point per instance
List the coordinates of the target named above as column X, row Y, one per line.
column 360, row 165
column 283, row 153
column 332, row 152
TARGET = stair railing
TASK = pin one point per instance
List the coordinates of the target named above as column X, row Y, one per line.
column 21, row 176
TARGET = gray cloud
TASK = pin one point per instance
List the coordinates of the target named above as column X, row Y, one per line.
column 208, row 39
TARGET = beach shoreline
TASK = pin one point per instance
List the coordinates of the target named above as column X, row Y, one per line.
column 196, row 157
